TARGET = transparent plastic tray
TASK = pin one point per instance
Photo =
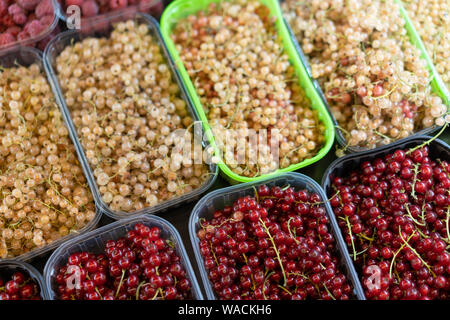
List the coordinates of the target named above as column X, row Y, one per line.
column 26, row 56
column 343, row 166
column 95, row 242
column 8, row 267
column 437, row 84
column 57, row 45
column 33, row 41
column 152, row 7
column 218, row 199
column 182, row 8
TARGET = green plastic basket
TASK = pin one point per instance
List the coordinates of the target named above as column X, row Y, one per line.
column 437, row 84
column 182, row 8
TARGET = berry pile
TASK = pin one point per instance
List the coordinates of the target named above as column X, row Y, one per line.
column 246, row 84
column 432, row 20
column 23, row 19
column 19, row 287
column 276, row 245
column 373, row 77
column 43, row 192
column 394, row 212
column 91, row 8
column 140, row 266
column 129, row 113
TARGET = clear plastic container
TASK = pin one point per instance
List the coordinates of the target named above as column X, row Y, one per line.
column 26, row 56
column 218, row 199
column 343, row 166
column 57, row 45
column 437, row 84
column 152, row 7
column 43, row 36
column 180, row 9
column 8, row 267
column 95, row 242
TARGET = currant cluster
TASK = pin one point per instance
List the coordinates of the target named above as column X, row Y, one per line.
column 394, row 212
column 140, row 266
column 374, row 78
column 19, row 287
column 43, row 192
column 432, row 20
column 276, row 245
column 246, row 84
column 130, row 117
column 23, row 19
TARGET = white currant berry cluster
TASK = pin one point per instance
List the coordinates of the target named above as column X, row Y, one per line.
column 43, row 192
column 245, row 82
column 127, row 109
column 373, row 77
column 432, row 21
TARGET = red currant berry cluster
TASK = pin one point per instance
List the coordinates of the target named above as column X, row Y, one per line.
column 394, row 212
column 140, row 266
column 275, row 245
column 19, row 287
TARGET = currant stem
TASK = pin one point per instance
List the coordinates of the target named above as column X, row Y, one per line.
column 351, row 237
column 329, row 293
column 412, row 218
column 120, row 283
column 290, row 231
column 429, row 141
column 275, row 248
column 416, row 171
column 398, row 251
column 143, row 283
column 264, row 284
column 418, row 255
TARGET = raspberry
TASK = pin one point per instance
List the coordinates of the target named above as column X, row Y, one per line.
column 8, row 20
column 33, row 28
column 3, row 7
column 22, row 35
column 78, row 3
column 15, row 9
column 89, row 8
column 44, row 8
column 20, row 18
column 28, row 4
column 46, row 20
column 14, row 30
column 6, row 38
column 118, row 4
